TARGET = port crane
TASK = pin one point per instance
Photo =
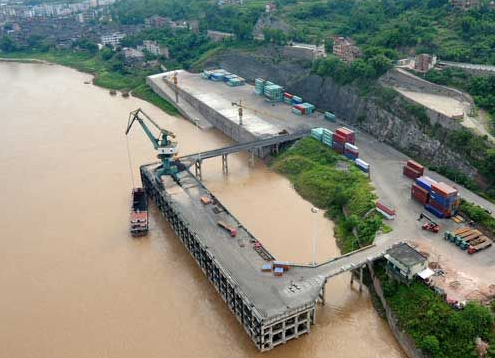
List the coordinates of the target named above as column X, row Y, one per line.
column 166, row 148
column 242, row 106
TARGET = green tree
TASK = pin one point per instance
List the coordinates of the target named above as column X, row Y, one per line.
column 7, row 44
column 431, row 345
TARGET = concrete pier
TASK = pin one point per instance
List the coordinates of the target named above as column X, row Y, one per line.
column 271, row 309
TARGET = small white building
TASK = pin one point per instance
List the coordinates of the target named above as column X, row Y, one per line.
column 112, row 39
column 404, row 262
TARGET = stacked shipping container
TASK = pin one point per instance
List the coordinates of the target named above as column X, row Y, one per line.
column 413, row 170
column 287, row 98
column 420, row 190
column 440, row 199
column 259, row 86
column 351, row 151
column 444, row 200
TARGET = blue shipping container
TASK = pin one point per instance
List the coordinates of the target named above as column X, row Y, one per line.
column 444, row 202
column 425, row 182
column 434, row 211
column 350, row 156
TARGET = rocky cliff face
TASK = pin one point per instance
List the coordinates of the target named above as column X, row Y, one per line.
column 388, row 122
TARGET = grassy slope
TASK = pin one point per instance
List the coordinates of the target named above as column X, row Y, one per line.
column 133, row 81
column 320, row 176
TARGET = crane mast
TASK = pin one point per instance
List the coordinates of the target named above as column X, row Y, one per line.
column 166, row 148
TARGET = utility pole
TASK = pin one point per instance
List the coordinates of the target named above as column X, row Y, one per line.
column 314, row 210
column 176, row 88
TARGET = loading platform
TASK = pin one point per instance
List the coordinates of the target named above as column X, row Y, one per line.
column 272, row 310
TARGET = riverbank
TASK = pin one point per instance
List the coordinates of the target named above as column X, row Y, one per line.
column 133, row 81
column 331, row 182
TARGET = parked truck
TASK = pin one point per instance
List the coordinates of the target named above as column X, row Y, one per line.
column 231, row 230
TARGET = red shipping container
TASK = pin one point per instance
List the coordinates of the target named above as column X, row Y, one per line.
column 339, row 139
column 299, row 108
column 416, row 166
column 443, row 189
column 419, row 194
column 350, row 151
column 347, row 134
column 287, row 95
column 386, row 208
column 411, row 173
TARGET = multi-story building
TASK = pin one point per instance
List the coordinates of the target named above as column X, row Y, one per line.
column 154, row 48
column 156, row 22
column 345, row 49
column 112, row 39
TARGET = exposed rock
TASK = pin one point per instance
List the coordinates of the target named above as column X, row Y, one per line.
column 388, row 122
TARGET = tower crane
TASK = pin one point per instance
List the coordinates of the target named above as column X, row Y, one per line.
column 166, row 148
column 242, row 106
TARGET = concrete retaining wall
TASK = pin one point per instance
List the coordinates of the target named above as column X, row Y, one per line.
column 224, row 124
column 402, row 337
column 401, row 78
column 436, row 117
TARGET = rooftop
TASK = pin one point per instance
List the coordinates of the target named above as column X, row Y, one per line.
column 406, row 255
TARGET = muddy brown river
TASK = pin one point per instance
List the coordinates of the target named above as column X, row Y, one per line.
column 75, row 284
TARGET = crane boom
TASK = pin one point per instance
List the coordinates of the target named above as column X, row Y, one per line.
column 166, row 148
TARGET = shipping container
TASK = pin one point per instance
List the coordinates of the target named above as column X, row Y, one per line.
column 444, row 202
column 410, row 173
column 287, row 95
column 278, row 271
column 339, row 139
column 339, row 148
column 415, row 165
column 361, row 164
column 296, row 111
column 425, row 182
column 419, row 194
column 329, row 116
column 352, row 147
column 385, row 207
column 350, row 154
column 445, row 211
column 434, row 211
column 297, row 100
column 347, row 133
column 444, row 189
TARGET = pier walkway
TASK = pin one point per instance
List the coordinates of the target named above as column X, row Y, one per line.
column 261, row 145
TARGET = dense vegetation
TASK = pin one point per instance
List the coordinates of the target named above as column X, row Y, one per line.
column 331, row 182
column 434, row 326
column 479, row 215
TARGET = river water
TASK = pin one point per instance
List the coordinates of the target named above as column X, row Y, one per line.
column 75, row 284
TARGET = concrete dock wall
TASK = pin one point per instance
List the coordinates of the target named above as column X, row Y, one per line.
column 402, row 337
column 218, row 120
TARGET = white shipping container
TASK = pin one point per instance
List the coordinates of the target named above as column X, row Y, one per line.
column 362, row 163
column 352, row 147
